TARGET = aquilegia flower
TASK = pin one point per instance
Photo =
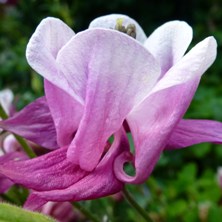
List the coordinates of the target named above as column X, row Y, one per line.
column 96, row 81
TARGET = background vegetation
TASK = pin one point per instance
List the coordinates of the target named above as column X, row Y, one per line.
column 183, row 186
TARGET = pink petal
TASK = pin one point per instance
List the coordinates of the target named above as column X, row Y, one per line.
column 10, row 144
column 5, row 183
column 12, row 156
column 47, row 172
column 50, row 36
column 109, row 22
column 34, row 123
column 116, row 80
column 99, row 183
column 62, row 212
column 152, row 122
column 169, row 42
column 190, row 132
column 192, row 65
column 66, row 113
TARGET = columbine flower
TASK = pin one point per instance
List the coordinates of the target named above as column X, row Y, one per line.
column 95, row 81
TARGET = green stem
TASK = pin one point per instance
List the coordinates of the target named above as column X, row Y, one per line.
column 28, row 150
column 85, row 212
column 136, row 206
column 3, row 114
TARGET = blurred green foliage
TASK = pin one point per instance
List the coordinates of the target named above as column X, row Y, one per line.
column 183, row 186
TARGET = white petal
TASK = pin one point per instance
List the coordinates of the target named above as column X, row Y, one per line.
column 109, row 22
column 169, row 42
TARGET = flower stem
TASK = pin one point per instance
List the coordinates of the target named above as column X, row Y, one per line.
column 28, row 150
column 136, row 206
column 3, row 114
column 85, row 212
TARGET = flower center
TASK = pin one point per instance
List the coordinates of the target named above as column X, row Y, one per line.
column 130, row 29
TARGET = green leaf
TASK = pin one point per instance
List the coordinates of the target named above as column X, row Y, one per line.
column 177, row 208
column 214, row 214
column 201, row 150
column 10, row 213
